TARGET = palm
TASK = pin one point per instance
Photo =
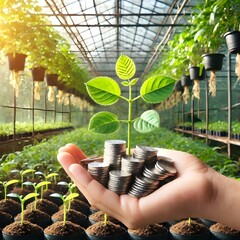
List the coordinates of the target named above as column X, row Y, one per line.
column 169, row 200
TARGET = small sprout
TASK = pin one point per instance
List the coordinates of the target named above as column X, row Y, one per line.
column 22, row 173
column 105, row 219
column 36, row 188
column 22, row 201
column 189, row 221
column 47, row 177
column 66, row 199
column 6, row 184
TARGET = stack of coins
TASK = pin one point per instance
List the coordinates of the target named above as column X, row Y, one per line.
column 132, row 165
column 99, row 171
column 119, row 181
column 113, row 152
column 165, row 167
column 142, row 186
column 145, row 152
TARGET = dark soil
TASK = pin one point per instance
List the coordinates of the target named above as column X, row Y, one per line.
column 184, row 228
column 72, row 216
column 5, row 219
column 58, row 188
column 36, row 216
column 18, row 229
column 46, row 195
column 150, row 230
column 20, row 191
column 93, row 209
column 79, row 206
column 44, row 205
column 105, row 229
column 218, row 227
column 99, row 216
column 69, row 229
column 10, row 206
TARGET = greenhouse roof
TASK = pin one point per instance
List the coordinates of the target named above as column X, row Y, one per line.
column 100, row 30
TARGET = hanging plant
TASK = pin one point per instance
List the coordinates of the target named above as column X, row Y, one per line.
column 38, row 74
column 213, row 62
column 237, row 68
column 186, row 82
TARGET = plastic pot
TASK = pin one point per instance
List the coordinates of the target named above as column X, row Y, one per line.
column 178, row 86
column 24, row 237
column 52, row 79
column 16, row 61
column 221, row 236
column 81, row 236
column 213, row 61
column 194, row 73
column 186, row 81
column 233, row 41
column 38, row 74
column 118, row 237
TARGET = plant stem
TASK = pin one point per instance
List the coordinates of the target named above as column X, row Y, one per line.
column 5, row 193
column 129, row 119
column 64, row 213
column 105, row 219
column 22, row 213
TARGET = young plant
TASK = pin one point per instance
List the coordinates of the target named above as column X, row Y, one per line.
column 6, row 184
column 23, row 173
column 22, row 201
column 36, row 189
column 106, row 91
column 66, row 199
column 47, row 177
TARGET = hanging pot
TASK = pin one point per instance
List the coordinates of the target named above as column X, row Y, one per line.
column 16, row 61
column 178, row 86
column 233, row 41
column 213, row 61
column 195, row 74
column 186, row 81
column 52, row 79
column 38, row 74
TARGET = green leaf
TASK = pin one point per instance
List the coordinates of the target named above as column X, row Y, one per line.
column 50, row 175
column 147, row 122
column 28, row 183
column 125, row 83
column 56, row 195
column 103, row 90
column 71, row 196
column 104, row 122
column 125, row 67
column 11, row 182
column 41, row 184
column 15, row 195
column 157, row 89
column 30, row 195
column 133, row 81
column 28, row 171
column 62, row 183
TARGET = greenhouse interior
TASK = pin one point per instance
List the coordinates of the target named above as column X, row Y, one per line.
column 127, row 82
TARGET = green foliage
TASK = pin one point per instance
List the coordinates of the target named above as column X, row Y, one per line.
column 106, row 91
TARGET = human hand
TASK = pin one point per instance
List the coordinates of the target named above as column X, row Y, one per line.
column 186, row 196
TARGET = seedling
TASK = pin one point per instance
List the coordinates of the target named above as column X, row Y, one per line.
column 66, row 200
column 36, row 188
column 23, row 173
column 22, row 201
column 106, row 91
column 47, row 177
column 5, row 186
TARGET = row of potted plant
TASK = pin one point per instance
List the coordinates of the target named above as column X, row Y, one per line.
column 24, row 129
column 27, row 36
column 219, row 128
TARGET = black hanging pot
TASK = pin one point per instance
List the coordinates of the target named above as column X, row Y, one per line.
column 233, row 41
column 178, row 86
column 16, row 61
column 38, row 74
column 213, row 61
column 194, row 73
column 52, row 79
column 186, row 81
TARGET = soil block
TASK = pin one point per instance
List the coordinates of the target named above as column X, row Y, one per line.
column 36, row 216
column 44, row 205
column 10, row 206
column 218, row 227
column 79, row 206
column 5, row 219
